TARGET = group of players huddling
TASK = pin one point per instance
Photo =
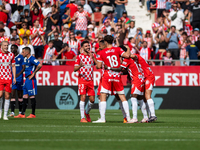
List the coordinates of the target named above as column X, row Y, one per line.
column 12, row 66
column 114, row 61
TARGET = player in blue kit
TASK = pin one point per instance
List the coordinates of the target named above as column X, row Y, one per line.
column 30, row 85
column 18, row 87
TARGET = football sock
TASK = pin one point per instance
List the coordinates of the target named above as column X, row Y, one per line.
column 82, row 105
column 33, row 105
column 25, row 104
column 151, row 107
column 89, row 107
column 122, row 109
column 148, row 111
column 20, row 103
column 102, row 110
column 99, row 104
column 12, row 105
column 134, row 107
column 1, row 102
column 143, row 108
column 126, row 109
column 6, row 106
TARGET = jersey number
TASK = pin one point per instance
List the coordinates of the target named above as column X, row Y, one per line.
column 113, row 60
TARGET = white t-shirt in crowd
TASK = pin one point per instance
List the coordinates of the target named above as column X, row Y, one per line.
column 87, row 8
column 15, row 18
column 132, row 32
column 46, row 11
column 178, row 22
column 30, row 46
column 7, row 31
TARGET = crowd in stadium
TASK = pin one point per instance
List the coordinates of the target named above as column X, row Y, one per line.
column 54, row 29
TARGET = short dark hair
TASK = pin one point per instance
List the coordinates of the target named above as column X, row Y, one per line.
column 19, row 8
column 27, row 49
column 173, row 26
column 109, row 39
column 35, row 21
column 2, row 30
column 65, row 44
column 1, row 22
column 26, row 10
column 12, row 30
column 84, row 42
column 25, row 38
column 53, row 6
column 51, row 41
column 80, row 5
column 66, row 9
column 102, row 41
column 13, row 39
column 184, row 33
column 14, row 45
column 78, row 32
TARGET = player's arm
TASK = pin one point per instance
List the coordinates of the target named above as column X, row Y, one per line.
column 127, row 53
column 23, row 68
column 14, row 73
column 77, row 67
column 39, row 66
column 113, row 69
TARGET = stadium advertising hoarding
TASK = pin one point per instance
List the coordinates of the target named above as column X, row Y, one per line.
column 175, row 88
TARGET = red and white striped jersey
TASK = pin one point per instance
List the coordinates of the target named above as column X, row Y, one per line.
column 52, row 2
column 48, row 53
column 160, row 4
column 91, row 34
column 145, row 53
column 188, row 28
column 12, row 1
column 6, row 61
column 183, row 49
column 66, row 36
column 85, row 72
column 155, row 24
column 148, row 40
column 23, row 2
column 194, row 38
column 81, row 22
column 37, row 41
column 74, row 45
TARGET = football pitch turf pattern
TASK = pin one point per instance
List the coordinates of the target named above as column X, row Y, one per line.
column 61, row 129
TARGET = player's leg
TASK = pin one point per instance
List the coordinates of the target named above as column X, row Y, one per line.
column 121, row 107
column 8, row 90
column 20, row 100
column 12, row 103
column 134, row 108
column 143, row 108
column 1, row 102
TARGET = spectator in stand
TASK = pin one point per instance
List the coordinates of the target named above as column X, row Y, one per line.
column 148, row 38
column 63, row 4
column 37, row 39
column 13, row 4
column 160, row 6
column 73, row 43
column 66, row 19
column 91, row 34
column 68, row 54
column 187, row 14
column 166, row 20
column 79, row 36
column 14, row 34
column 167, row 59
column 26, row 18
column 132, row 29
column 106, row 26
column 186, row 5
column 52, row 20
column 195, row 9
column 195, row 35
column 188, row 28
column 50, row 53
column 12, row 41
column 81, row 18
column 24, row 32
column 197, row 43
column 110, row 17
column 25, row 4
column 107, row 6
column 121, row 34
column 95, row 5
column 15, row 19
column 177, row 17
column 150, row 3
column 36, row 13
column 162, row 41
column 86, row 7
column 120, row 7
column 73, row 9
column 182, row 47
column 65, row 33
column 7, row 30
column 125, row 18
column 138, row 37
column 192, row 52
column 25, row 44
column 4, row 16
column 145, row 52
column 169, row 4
column 17, row 42
column 46, row 11
column 158, row 25
column 173, row 39
column 7, row 10
column 2, row 36
column 57, row 43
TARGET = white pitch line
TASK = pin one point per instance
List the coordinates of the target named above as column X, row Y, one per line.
column 146, row 132
column 99, row 140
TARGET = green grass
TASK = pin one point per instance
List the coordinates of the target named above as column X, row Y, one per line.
column 61, row 129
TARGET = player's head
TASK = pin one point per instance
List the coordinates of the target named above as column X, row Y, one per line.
column 86, row 46
column 145, row 44
column 14, row 48
column 102, row 45
column 50, row 44
column 4, row 46
column 108, row 40
column 26, row 51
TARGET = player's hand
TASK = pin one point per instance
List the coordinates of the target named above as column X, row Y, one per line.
column 14, row 80
column 81, row 64
column 31, row 76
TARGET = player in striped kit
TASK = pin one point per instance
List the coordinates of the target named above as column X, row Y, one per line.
column 84, row 64
column 18, row 87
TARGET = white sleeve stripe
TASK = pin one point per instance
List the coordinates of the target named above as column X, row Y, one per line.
column 122, row 53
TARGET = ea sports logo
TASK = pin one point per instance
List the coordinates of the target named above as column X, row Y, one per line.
column 66, row 98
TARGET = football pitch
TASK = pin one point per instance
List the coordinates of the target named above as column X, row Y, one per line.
column 61, row 129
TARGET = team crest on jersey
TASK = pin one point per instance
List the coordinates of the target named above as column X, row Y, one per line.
column 18, row 59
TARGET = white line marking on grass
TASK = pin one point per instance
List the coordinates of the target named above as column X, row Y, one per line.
column 101, row 140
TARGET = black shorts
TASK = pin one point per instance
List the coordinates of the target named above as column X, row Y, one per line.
column 13, row 7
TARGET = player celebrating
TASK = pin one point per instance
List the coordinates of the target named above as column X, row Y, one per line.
column 111, row 80
column 84, row 64
column 20, row 67
column 30, row 85
column 7, row 60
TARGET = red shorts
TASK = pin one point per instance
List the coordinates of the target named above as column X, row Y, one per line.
column 137, row 88
column 111, row 85
column 99, row 87
column 149, row 82
column 7, row 84
column 85, row 87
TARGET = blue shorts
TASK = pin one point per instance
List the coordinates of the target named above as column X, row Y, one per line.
column 30, row 87
column 18, row 86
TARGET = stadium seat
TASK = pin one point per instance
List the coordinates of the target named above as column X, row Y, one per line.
column 97, row 16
